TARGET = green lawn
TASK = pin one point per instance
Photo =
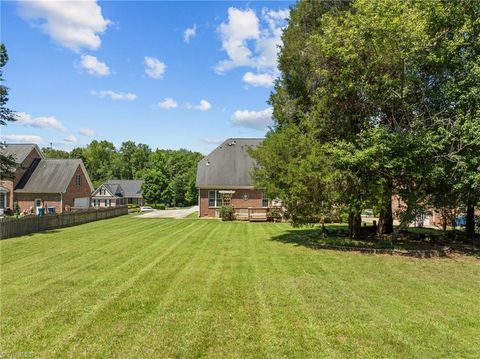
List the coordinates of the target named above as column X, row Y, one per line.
column 155, row 288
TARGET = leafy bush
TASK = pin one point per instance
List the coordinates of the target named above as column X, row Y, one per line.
column 133, row 206
column 274, row 214
column 227, row 213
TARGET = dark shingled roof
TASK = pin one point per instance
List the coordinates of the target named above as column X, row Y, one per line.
column 50, row 176
column 229, row 165
column 130, row 188
column 19, row 151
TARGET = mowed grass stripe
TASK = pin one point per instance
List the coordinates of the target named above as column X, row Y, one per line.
column 238, row 290
column 41, row 278
column 70, row 305
column 367, row 286
column 69, row 234
column 25, row 251
column 171, row 300
column 93, row 248
column 64, row 340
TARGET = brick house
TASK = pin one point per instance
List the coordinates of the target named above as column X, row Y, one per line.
column 223, row 178
column 118, row 192
column 39, row 182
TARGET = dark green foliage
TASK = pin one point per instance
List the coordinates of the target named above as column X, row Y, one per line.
column 7, row 163
column 53, row 153
column 227, row 213
column 376, row 97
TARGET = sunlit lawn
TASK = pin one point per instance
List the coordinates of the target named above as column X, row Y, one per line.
column 156, row 288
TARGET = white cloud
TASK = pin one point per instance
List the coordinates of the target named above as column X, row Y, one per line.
column 114, row 95
column 250, row 41
column 213, row 141
column 71, row 139
column 40, row 122
column 86, row 132
column 168, row 103
column 93, row 66
column 258, row 120
column 190, row 33
column 154, row 68
column 242, row 26
column 23, row 138
column 265, row 80
column 72, row 24
column 204, row 105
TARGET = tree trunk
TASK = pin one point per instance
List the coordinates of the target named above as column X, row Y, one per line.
column 354, row 225
column 470, row 220
column 385, row 221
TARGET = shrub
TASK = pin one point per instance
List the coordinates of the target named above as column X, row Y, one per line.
column 227, row 213
column 275, row 214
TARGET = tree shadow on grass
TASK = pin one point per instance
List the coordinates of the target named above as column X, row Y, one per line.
column 314, row 238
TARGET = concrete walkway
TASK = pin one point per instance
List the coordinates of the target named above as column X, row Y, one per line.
column 169, row 213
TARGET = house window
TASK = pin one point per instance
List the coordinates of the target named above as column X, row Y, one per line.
column 96, row 203
column 77, row 180
column 3, row 200
column 264, row 200
column 108, row 202
column 213, row 199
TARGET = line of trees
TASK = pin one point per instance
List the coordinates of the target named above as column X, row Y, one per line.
column 169, row 175
column 376, row 98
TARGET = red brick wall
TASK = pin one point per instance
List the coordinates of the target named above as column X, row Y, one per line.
column 74, row 191
column 10, row 185
column 254, row 199
column 26, row 201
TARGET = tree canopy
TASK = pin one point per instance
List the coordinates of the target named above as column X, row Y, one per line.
column 169, row 175
column 376, row 98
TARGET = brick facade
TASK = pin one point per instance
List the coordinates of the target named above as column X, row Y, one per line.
column 242, row 198
column 26, row 201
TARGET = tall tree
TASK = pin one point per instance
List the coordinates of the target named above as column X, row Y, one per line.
column 7, row 163
column 356, row 83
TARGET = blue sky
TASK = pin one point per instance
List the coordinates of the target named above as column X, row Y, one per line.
column 168, row 74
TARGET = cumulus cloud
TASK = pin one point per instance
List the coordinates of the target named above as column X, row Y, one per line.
column 40, row 122
column 241, row 27
column 114, row 95
column 203, row 105
column 189, row 33
column 22, row 138
column 258, row 120
column 72, row 24
column 250, row 41
column 93, row 66
column 86, row 132
column 71, row 139
column 168, row 103
column 213, row 141
column 154, row 68
column 265, row 80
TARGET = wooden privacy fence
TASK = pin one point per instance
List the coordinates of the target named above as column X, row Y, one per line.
column 13, row 226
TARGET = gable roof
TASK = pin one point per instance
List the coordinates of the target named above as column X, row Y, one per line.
column 51, row 176
column 19, row 151
column 130, row 188
column 229, row 165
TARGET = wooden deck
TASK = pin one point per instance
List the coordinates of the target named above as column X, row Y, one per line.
column 251, row 214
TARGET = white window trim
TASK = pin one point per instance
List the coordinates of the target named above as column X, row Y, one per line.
column 217, row 198
column 264, row 196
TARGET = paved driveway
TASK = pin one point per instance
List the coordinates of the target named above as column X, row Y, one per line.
column 169, row 213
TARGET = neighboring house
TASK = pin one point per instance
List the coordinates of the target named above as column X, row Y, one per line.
column 223, row 178
column 39, row 182
column 118, row 192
